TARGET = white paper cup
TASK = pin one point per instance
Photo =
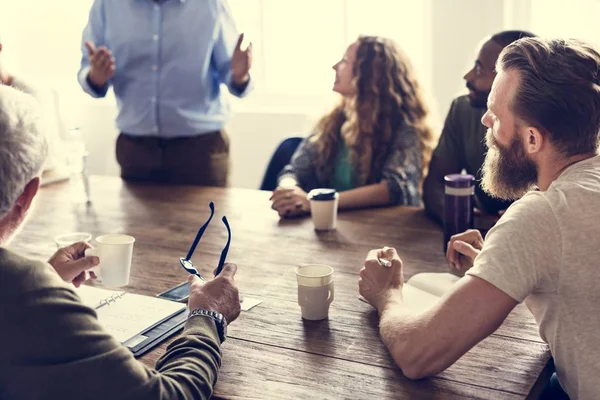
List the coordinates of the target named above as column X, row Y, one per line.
column 114, row 252
column 68, row 239
column 323, row 208
column 315, row 290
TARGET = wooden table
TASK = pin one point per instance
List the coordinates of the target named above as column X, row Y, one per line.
column 271, row 352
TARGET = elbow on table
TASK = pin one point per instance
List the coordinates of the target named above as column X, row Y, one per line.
column 416, row 362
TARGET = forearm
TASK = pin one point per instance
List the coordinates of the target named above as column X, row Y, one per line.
column 192, row 361
column 77, row 352
column 365, row 196
column 407, row 335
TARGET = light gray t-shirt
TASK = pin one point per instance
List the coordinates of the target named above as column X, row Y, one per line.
column 545, row 250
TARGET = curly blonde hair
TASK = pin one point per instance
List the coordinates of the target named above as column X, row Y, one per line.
column 387, row 97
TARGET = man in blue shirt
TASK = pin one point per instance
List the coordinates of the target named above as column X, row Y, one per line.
column 166, row 61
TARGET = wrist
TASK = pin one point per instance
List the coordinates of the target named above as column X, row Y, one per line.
column 96, row 81
column 240, row 80
column 389, row 298
column 218, row 319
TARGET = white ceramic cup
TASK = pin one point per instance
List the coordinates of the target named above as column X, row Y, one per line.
column 114, row 251
column 68, row 239
column 315, row 290
column 323, row 208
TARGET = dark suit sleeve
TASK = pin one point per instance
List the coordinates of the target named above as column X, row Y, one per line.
column 447, row 159
column 59, row 344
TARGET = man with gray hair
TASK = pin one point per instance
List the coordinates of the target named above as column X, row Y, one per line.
column 51, row 345
column 543, row 120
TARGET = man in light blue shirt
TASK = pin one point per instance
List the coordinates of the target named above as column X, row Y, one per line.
column 166, row 61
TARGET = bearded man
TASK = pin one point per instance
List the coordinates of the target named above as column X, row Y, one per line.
column 543, row 123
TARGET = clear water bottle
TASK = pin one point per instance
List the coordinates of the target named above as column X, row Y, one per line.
column 458, row 205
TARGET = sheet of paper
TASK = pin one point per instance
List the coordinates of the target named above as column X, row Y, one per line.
column 437, row 283
column 249, row 303
column 133, row 314
column 128, row 315
column 415, row 299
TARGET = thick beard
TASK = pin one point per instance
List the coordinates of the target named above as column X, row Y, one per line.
column 507, row 172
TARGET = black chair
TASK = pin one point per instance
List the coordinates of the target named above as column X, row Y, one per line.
column 279, row 160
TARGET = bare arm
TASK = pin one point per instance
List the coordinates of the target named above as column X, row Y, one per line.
column 425, row 344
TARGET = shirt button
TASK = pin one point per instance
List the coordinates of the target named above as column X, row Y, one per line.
column 154, row 68
column 155, row 37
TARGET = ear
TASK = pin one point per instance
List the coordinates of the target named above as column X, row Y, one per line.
column 534, row 140
column 26, row 198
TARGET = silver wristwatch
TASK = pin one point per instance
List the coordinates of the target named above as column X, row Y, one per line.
column 219, row 319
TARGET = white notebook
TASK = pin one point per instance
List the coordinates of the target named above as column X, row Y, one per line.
column 126, row 315
column 422, row 291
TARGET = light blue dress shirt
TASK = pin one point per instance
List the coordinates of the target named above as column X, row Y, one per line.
column 171, row 58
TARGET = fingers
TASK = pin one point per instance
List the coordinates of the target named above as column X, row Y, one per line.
column 238, row 46
column 79, row 279
column 229, row 271
column 195, row 280
column 281, row 193
column 388, row 253
column 77, row 249
column 465, row 249
column 76, row 267
column 91, row 48
column 284, row 204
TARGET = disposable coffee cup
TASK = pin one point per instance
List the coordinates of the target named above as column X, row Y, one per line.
column 114, row 252
column 323, row 208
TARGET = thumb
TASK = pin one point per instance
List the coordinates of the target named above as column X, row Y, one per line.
column 91, row 48
column 194, row 279
column 465, row 249
column 76, row 267
column 238, row 46
column 229, row 270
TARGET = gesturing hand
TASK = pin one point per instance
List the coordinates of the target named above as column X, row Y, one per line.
column 102, row 64
column 241, row 62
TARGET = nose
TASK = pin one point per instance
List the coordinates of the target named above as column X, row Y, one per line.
column 486, row 119
column 335, row 66
column 467, row 76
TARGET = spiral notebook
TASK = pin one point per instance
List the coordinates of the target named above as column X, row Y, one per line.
column 127, row 316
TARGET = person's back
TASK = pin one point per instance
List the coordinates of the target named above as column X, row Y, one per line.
column 571, row 324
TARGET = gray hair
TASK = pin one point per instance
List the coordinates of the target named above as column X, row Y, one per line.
column 23, row 147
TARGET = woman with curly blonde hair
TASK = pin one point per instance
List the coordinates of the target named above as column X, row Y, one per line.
column 374, row 147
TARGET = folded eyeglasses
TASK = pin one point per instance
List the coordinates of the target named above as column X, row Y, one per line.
column 186, row 262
